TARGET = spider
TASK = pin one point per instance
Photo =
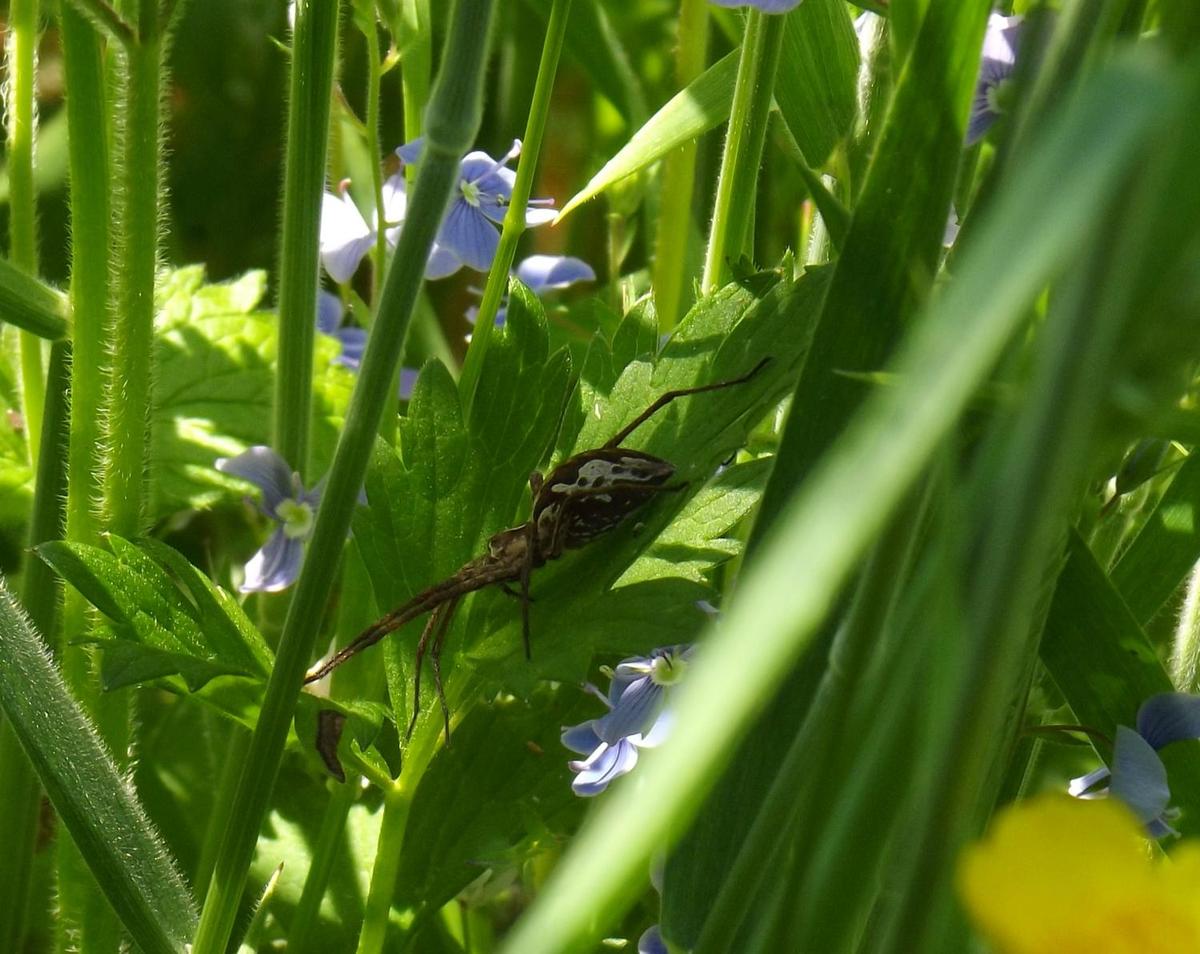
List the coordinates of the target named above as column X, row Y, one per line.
column 582, row 498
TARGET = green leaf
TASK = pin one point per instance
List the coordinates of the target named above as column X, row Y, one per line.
column 814, row 89
column 456, row 482
column 169, row 619
column 702, row 106
column 696, row 540
column 1106, row 668
column 596, row 47
column 91, row 796
column 1165, row 549
column 790, row 585
column 505, row 776
column 215, row 383
column 817, row 77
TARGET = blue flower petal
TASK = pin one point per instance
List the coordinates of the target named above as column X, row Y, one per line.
column 470, row 236
column 1169, row 717
column 634, row 712
column 547, row 272
column 274, row 567
column 651, row 941
column 345, row 237
column 581, row 738
column 408, row 381
column 607, row 763
column 354, row 343
column 265, row 469
column 410, row 152
column 329, row 312
column 766, row 6
column 997, row 64
column 441, row 263
column 1139, row 778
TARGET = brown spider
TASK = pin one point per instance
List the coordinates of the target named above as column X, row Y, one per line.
column 581, row 499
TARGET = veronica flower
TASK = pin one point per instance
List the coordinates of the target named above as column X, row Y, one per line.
column 1138, row 776
column 353, row 340
column 469, row 231
column 1061, row 875
column 329, row 322
column 651, row 941
column 766, row 6
column 637, row 719
column 346, row 236
column 995, row 71
column 543, row 274
column 286, row 503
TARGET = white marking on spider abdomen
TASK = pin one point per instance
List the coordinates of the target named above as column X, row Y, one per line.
column 596, row 473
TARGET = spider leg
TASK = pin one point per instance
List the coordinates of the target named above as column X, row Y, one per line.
column 526, row 569
column 435, row 656
column 670, row 396
column 422, row 645
column 514, row 594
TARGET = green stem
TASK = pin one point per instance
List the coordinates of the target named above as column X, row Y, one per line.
column 453, row 120
column 314, row 44
column 679, row 177
column 301, row 935
column 387, row 867
column 1185, row 653
column 90, row 243
column 733, row 212
column 20, row 792
column 31, row 304
column 416, row 68
column 22, row 206
column 107, row 19
column 374, row 77
column 133, row 329
column 514, row 219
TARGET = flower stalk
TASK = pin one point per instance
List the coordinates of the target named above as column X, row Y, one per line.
column 314, row 43
column 729, row 235
column 453, row 120
column 514, row 220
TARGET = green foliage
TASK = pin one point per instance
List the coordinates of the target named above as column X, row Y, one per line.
column 928, row 519
column 95, row 803
column 215, row 354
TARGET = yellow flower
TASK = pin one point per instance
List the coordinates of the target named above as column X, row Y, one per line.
column 1057, row 875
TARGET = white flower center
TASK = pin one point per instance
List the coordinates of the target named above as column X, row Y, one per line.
column 667, row 670
column 296, row 517
column 470, row 192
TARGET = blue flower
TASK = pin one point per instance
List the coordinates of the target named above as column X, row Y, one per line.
column 651, row 941
column 543, row 274
column 637, row 719
column 346, row 236
column 329, row 322
column 766, row 6
column 1139, row 778
column 353, row 340
column 286, row 502
column 469, row 231
column 1000, row 44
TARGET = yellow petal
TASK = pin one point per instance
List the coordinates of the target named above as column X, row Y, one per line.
column 1058, row 875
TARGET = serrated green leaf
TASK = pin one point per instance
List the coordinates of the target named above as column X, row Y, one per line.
column 127, row 663
column 162, row 632
column 695, row 541
column 455, row 482
column 215, row 383
column 454, row 829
